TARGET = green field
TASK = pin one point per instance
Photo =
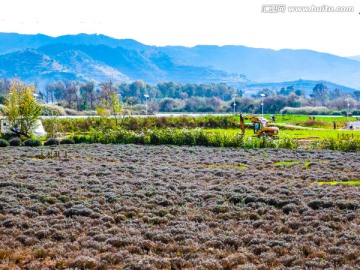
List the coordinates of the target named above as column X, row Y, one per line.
column 319, row 121
column 215, row 131
column 297, row 134
column 298, row 118
column 301, row 127
column 211, row 130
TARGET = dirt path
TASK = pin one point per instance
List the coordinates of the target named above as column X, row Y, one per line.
column 297, row 127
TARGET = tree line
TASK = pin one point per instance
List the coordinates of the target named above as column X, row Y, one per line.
column 191, row 97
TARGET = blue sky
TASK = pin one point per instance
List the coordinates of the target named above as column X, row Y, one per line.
column 191, row 22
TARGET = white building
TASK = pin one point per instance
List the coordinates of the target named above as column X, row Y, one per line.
column 352, row 125
column 39, row 131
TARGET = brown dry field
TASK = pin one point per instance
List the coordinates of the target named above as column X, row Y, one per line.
column 163, row 207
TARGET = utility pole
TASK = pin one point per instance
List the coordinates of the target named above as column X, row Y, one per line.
column 262, row 104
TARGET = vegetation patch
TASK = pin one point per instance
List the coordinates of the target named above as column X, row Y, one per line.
column 192, row 137
column 51, row 141
column 286, row 163
column 4, row 143
column 67, row 141
column 307, row 163
column 344, row 142
column 227, row 166
column 290, row 163
column 333, row 183
column 15, row 142
column 32, row 143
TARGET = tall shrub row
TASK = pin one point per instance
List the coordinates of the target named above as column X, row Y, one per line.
column 184, row 136
column 138, row 123
column 344, row 142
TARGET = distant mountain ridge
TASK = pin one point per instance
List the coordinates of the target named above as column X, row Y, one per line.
column 265, row 65
column 99, row 57
column 10, row 42
column 356, row 58
column 32, row 65
column 304, row 85
column 102, row 58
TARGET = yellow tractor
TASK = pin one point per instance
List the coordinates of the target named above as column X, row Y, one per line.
column 259, row 126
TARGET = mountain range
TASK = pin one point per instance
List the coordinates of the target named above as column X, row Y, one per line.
column 356, row 58
column 43, row 58
column 305, row 85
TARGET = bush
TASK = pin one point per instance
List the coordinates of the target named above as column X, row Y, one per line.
column 89, row 113
column 72, row 112
column 52, row 110
column 306, row 110
column 15, row 142
column 82, row 139
column 315, row 123
column 32, row 143
column 287, row 142
column 69, row 125
column 163, row 136
column 345, row 142
column 4, row 143
column 51, row 141
column 67, row 141
column 192, row 137
column 260, row 142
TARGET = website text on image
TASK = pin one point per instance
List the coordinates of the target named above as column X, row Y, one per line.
column 282, row 8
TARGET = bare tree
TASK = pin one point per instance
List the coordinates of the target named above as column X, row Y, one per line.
column 70, row 93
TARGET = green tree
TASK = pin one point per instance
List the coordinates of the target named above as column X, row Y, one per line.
column 87, row 92
column 22, row 109
column 299, row 92
column 116, row 108
column 137, row 89
column 287, row 91
column 320, row 93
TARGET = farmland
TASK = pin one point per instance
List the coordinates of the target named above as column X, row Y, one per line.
column 170, row 207
column 296, row 133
